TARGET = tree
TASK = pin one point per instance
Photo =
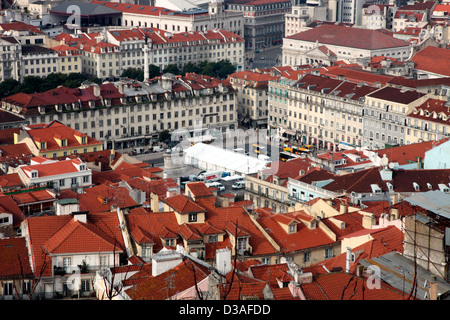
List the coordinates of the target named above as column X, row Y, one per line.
column 31, row 84
column 190, row 67
column 134, row 73
column 224, row 68
column 164, row 136
column 9, row 87
column 171, row 68
column 154, row 71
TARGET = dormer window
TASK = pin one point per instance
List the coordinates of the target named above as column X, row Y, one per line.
column 292, row 228
column 170, row 242
column 82, row 167
column 193, row 217
column 213, row 239
column 63, row 142
column 43, row 145
column 34, row 174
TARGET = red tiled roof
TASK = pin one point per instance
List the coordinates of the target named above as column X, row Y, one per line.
column 418, row 6
column 33, row 196
column 357, row 75
column 61, row 233
column 8, row 205
column 433, row 59
column 408, row 153
column 11, row 180
column 56, row 129
column 384, row 240
column 349, row 37
column 396, row 95
column 20, row 26
column 432, row 110
column 100, row 198
column 271, row 273
column 344, row 286
column 183, row 204
column 52, row 169
column 67, row 239
column 303, row 238
column 156, row 288
column 15, row 263
column 199, row 189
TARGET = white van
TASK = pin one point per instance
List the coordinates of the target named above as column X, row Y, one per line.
column 216, row 185
column 238, row 185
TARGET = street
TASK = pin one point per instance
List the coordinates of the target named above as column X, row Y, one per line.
column 267, row 58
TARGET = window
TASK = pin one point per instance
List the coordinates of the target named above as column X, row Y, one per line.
column 213, row 239
column 328, row 253
column 242, row 245
column 192, row 217
column 103, row 262
column 85, row 285
column 4, row 220
column 292, row 228
column 61, row 182
column 8, row 289
column 307, row 257
column 67, row 262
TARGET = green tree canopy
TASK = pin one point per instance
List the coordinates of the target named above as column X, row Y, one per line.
column 154, row 71
column 134, row 73
column 171, row 68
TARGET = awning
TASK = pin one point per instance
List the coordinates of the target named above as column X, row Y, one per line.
column 290, row 132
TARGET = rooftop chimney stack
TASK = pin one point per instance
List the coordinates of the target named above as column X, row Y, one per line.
column 433, row 288
column 80, row 216
column 348, row 260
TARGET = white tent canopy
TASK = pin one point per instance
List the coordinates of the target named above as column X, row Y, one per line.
column 212, row 158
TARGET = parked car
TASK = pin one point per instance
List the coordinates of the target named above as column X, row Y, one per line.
column 238, row 185
column 216, row 185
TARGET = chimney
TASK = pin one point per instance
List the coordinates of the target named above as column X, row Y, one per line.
column 394, row 214
column 433, row 288
column 343, row 208
column 165, row 260
column 171, row 192
column 154, row 202
column 80, row 216
column 360, row 271
column 368, row 220
column 96, row 90
column 223, row 261
column 348, row 259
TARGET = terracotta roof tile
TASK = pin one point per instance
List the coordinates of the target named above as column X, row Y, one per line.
column 331, row 287
column 433, row 59
column 349, row 37
column 15, row 262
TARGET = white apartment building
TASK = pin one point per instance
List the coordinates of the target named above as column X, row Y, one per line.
column 328, row 43
column 385, row 116
column 318, row 110
column 215, row 17
column 129, row 113
column 10, row 58
column 39, row 61
column 176, row 48
column 301, row 15
column 65, row 174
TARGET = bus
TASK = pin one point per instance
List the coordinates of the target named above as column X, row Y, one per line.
column 256, row 148
column 297, row 149
column 286, row 156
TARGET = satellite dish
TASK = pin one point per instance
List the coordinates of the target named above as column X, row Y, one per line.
column 391, row 165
